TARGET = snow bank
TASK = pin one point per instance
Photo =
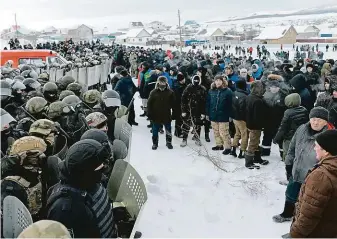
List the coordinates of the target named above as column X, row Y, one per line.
column 189, row 197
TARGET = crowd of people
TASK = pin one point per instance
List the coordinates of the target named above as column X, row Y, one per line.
column 229, row 94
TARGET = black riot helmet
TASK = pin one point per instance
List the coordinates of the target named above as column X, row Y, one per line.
column 50, row 92
column 76, row 88
column 64, row 82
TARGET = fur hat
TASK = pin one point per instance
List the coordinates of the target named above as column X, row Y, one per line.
column 327, row 141
column 319, row 112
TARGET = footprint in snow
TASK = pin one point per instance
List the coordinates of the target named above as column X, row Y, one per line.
column 154, row 189
column 152, row 179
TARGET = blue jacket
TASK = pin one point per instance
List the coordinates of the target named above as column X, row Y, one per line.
column 219, row 104
column 126, row 89
column 258, row 74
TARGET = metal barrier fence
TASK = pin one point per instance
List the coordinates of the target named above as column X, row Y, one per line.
column 86, row 76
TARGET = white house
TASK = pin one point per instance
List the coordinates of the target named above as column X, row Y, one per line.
column 305, row 32
column 137, row 36
column 157, row 26
column 277, row 35
column 50, row 30
column 135, row 25
column 210, row 34
column 81, row 33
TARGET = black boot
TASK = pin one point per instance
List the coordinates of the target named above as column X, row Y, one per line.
column 241, row 155
column 265, row 151
column 150, row 125
column 207, row 137
column 169, row 141
column 226, row 151
column 216, row 148
column 258, row 159
column 155, row 142
column 161, row 130
column 287, row 213
column 143, row 115
column 250, row 162
column 233, row 152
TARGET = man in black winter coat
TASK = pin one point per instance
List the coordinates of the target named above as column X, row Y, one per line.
column 313, row 81
column 193, row 103
column 179, row 87
column 256, row 111
column 206, row 81
column 239, row 117
column 79, row 201
column 160, row 103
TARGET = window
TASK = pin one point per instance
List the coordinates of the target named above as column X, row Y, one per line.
column 30, row 61
column 52, row 60
column 140, row 39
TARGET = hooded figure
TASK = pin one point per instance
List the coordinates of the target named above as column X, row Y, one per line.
column 257, row 72
column 294, row 117
column 256, row 110
column 299, row 84
column 193, row 102
column 79, row 201
column 159, row 105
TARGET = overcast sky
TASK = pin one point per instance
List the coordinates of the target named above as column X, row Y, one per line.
column 38, row 14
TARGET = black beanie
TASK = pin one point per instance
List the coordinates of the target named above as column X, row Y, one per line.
column 328, row 141
column 319, row 112
column 241, row 84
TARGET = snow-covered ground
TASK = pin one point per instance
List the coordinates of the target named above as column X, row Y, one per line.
column 189, row 197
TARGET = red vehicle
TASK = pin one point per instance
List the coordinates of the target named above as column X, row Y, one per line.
column 20, row 57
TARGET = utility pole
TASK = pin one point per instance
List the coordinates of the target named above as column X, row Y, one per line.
column 16, row 26
column 181, row 42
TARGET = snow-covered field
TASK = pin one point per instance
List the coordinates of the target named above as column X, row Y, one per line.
column 189, row 197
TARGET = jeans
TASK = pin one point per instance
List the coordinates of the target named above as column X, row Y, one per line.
column 156, row 127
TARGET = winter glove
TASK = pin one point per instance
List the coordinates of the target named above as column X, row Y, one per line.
column 289, row 169
column 183, row 115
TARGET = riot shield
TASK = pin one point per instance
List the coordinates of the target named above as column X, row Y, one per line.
column 127, row 187
column 119, row 149
column 123, row 131
column 16, row 217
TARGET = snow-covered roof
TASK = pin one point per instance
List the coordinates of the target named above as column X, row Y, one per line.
column 207, row 32
column 150, row 30
column 273, row 32
column 135, row 32
column 49, row 29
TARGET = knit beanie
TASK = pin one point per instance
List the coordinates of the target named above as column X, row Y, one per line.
column 328, row 141
column 319, row 112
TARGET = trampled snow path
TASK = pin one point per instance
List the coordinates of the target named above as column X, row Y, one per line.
column 189, row 197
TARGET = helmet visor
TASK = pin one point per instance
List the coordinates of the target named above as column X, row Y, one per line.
column 6, row 119
column 5, row 92
column 110, row 102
